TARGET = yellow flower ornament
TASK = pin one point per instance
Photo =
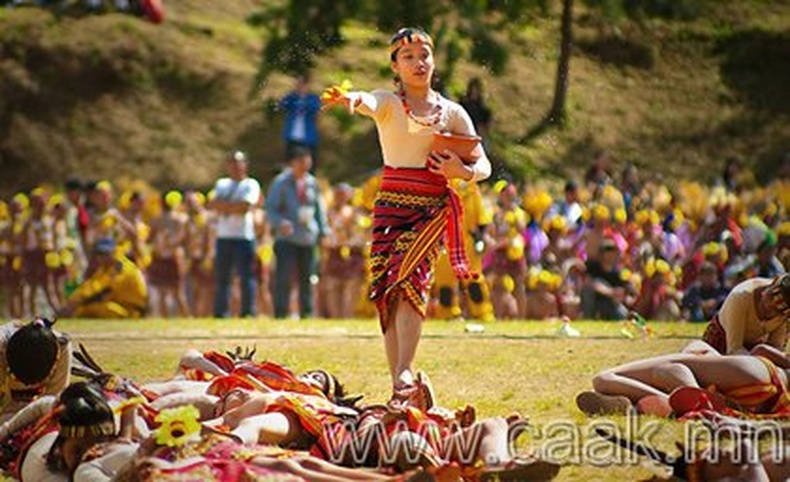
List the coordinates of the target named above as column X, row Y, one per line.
column 178, row 426
column 335, row 92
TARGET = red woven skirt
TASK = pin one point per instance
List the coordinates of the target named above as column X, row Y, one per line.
column 415, row 212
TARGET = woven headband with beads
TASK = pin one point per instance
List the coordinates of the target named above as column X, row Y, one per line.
column 79, row 431
column 409, row 38
column 330, row 382
column 777, row 298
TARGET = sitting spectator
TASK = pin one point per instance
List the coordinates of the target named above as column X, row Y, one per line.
column 116, row 290
column 543, row 301
column 658, row 297
column 605, row 294
column 766, row 263
column 569, row 207
column 704, row 298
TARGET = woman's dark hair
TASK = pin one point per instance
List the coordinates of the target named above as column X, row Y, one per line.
column 84, row 405
column 408, row 33
column 32, row 351
column 84, row 414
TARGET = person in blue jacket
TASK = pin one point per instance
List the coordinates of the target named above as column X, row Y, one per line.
column 301, row 108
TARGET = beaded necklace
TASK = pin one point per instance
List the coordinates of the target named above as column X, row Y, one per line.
column 432, row 119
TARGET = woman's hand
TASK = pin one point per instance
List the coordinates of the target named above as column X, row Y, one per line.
column 335, row 96
column 448, row 164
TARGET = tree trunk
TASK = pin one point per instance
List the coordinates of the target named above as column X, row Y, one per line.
column 557, row 114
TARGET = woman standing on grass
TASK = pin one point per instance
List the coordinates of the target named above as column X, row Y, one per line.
column 415, row 207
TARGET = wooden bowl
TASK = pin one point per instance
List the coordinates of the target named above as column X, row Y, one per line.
column 463, row 145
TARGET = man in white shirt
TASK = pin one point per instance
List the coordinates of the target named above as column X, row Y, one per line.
column 234, row 199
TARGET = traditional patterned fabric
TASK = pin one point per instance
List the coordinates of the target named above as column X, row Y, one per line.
column 222, row 360
column 415, row 209
column 715, row 336
column 314, row 412
column 265, row 376
column 217, row 459
column 764, row 398
column 14, row 449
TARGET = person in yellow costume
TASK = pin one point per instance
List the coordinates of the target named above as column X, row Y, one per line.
column 478, row 300
column 365, row 198
column 116, row 289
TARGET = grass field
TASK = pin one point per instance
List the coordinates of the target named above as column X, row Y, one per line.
column 511, row 366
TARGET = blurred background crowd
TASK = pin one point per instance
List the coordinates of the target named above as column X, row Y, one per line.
column 604, row 245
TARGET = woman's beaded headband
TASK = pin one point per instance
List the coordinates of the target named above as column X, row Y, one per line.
column 407, row 36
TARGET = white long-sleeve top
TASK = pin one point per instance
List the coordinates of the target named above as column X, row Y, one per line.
column 406, row 143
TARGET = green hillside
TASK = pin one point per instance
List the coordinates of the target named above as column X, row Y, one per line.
column 112, row 96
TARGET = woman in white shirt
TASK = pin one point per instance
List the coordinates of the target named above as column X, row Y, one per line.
column 415, row 208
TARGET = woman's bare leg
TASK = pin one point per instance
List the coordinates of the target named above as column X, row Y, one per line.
column 409, row 329
column 640, row 378
column 391, row 347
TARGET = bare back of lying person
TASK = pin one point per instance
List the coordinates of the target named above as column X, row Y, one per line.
column 752, row 384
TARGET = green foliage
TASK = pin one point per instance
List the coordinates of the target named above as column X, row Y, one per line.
column 488, row 51
column 614, row 10
column 301, row 30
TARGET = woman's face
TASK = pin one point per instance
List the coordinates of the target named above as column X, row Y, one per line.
column 414, row 64
column 768, row 307
column 317, row 379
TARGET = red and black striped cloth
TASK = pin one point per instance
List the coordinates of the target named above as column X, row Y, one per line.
column 415, row 212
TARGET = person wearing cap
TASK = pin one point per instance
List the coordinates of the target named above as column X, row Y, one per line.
column 235, row 197
column 416, row 210
column 297, row 216
column 117, row 288
column 755, row 312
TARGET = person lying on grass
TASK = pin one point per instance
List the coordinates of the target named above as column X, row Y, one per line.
column 428, row 437
column 754, row 385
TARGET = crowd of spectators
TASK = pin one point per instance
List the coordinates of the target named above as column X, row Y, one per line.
column 596, row 248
